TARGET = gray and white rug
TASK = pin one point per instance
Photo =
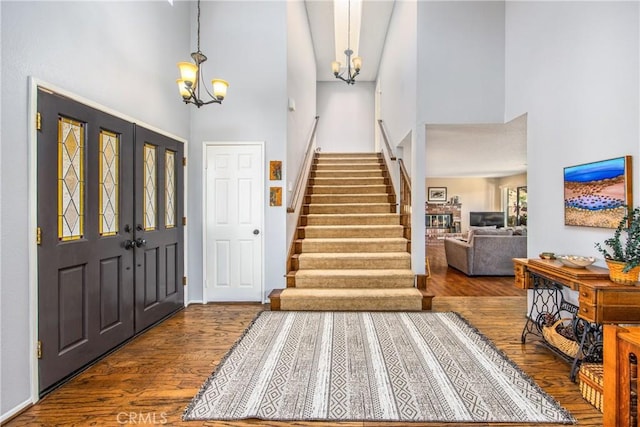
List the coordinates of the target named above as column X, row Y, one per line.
column 370, row 366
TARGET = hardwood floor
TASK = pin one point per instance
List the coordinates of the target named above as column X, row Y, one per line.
column 154, row 377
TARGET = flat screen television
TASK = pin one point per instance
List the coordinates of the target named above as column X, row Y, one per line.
column 484, row 219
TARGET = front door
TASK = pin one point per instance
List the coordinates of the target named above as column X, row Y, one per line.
column 233, row 221
column 92, row 257
column 158, row 218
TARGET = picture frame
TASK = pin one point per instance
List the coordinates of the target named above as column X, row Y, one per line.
column 437, row 194
column 275, row 196
column 275, row 170
column 598, row 194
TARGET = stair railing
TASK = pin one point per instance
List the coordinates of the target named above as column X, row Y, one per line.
column 303, row 172
column 404, row 204
column 385, row 138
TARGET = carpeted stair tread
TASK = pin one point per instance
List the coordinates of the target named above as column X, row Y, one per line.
column 312, row 231
column 349, row 166
column 353, row 219
column 337, row 181
column 321, row 199
column 350, row 189
column 373, row 173
column 347, row 208
column 354, row 278
column 392, row 272
column 364, row 244
column 409, row 299
column 354, row 260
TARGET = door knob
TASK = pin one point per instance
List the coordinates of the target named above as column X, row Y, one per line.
column 256, row 231
column 128, row 244
column 140, row 242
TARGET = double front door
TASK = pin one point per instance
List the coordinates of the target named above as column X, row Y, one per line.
column 110, row 233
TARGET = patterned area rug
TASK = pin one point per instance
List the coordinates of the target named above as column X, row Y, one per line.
column 370, row 366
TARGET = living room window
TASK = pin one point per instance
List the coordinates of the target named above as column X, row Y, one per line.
column 516, row 206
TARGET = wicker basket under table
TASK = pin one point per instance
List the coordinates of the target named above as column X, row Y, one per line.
column 590, row 378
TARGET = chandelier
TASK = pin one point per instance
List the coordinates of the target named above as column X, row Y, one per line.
column 189, row 83
column 353, row 64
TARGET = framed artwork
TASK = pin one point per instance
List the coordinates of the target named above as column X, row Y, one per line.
column 597, row 194
column 436, row 194
column 275, row 196
column 275, row 170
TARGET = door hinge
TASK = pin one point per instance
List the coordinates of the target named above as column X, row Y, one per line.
column 184, row 220
column 184, row 280
column 39, row 349
column 38, row 121
column 38, row 236
column 184, row 161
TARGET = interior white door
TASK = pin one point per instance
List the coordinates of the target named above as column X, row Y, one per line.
column 234, row 193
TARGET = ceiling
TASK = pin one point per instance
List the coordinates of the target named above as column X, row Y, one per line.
column 453, row 150
column 376, row 15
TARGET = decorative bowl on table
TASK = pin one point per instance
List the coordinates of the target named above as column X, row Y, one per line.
column 576, row 261
column 547, row 255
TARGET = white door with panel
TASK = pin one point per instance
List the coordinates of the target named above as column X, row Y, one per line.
column 234, row 206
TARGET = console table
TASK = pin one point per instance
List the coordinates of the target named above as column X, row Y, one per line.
column 600, row 301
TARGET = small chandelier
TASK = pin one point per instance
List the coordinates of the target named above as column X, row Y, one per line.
column 191, row 75
column 356, row 61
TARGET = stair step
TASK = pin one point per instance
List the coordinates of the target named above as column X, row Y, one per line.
column 353, row 219
column 349, row 189
column 349, row 173
column 354, row 278
column 351, row 299
column 343, row 208
column 351, row 159
column 367, row 180
column 353, row 245
column 348, row 166
column 327, row 231
column 353, row 260
column 348, row 198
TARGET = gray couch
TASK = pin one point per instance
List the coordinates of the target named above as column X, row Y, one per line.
column 486, row 253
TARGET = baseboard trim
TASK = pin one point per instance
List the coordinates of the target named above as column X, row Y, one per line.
column 11, row 414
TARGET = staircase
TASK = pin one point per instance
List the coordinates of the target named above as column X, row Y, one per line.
column 350, row 251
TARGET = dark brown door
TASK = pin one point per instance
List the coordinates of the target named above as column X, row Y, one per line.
column 85, row 214
column 110, row 258
column 159, row 227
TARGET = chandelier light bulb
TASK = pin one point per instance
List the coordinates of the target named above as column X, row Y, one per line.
column 219, row 88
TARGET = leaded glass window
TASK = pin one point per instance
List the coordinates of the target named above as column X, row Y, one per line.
column 150, row 187
column 70, row 179
column 108, row 193
column 170, row 189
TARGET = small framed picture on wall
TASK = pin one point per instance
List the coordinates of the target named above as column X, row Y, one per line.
column 275, row 196
column 275, row 170
column 436, row 194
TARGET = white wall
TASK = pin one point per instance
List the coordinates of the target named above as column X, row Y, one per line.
column 301, row 88
column 574, row 68
column 461, row 61
column 397, row 85
column 99, row 51
column 347, row 117
column 253, row 58
column 397, row 76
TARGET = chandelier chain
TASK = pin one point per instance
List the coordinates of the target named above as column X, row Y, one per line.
column 349, row 26
column 198, row 25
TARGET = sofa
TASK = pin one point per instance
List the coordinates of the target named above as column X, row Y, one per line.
column 486, row 251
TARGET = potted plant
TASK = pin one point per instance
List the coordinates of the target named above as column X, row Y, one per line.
column 624, row 259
